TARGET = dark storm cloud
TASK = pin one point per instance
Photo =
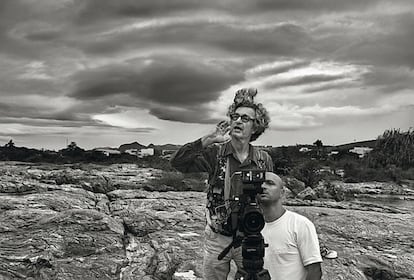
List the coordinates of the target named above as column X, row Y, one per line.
column 392, row 47
column 21, row 22
column 140, row 129
column 131, row 8
column 378, row 40
column 9, row 16
column 187, row 115
column 77, row 115
column 162, row 80
column 46, row 122
column 21, row 87
column 25, row 113
column 389, row 80
column 44, row 35
column 18, row 110
column 88, row 11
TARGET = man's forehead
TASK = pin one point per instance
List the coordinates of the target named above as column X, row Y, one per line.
column 272, row 177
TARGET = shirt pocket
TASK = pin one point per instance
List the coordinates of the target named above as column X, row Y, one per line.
column 285, row 254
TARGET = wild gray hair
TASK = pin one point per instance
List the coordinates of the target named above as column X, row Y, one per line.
column 245, row 98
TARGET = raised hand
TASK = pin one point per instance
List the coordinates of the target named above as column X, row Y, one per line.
column 219, row 135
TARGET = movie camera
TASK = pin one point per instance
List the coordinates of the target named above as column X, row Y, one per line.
column 247, row 222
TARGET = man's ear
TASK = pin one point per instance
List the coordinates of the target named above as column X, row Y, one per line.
column 283, row 191
column 255, row 127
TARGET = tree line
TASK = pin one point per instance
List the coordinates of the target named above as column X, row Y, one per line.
column 391, row 159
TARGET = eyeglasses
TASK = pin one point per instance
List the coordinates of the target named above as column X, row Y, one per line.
column 245, row 118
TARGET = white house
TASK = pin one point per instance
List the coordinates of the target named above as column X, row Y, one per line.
column 108, row 152
column 140, row 152
column 304, row 150
column 145, row 152
column 332, row 153
column 361, row 151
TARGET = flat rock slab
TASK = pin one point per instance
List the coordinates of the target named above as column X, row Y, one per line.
column 101, row 222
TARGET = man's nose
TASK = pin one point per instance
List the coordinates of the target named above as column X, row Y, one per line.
column 239, row 120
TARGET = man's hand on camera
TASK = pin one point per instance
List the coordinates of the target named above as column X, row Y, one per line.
column 219, row 135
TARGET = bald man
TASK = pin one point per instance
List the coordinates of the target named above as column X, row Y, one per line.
column 293, row 251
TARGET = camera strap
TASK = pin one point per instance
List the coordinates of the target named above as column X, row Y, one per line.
column 227, row 182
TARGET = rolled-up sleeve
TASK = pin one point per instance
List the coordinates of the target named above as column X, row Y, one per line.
column 192, row 157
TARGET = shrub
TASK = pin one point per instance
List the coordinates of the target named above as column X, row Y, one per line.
column 335, row 191
column 177, row 181
column 307, row 172
column 394, row 147
column 155, row 162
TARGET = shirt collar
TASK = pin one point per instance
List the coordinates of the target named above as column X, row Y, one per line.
column 228, row 150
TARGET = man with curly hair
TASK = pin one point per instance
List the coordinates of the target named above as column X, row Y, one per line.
column 223, row 154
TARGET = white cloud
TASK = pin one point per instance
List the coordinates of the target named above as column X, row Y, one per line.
column 35, row 70
column 129, row 118
column 160, row 22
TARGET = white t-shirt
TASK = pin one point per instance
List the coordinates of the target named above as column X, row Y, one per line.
column 293, row 244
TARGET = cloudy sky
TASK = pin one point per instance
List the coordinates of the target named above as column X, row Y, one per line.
column 105, row 73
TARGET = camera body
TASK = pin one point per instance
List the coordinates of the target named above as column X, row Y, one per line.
column 251, row 219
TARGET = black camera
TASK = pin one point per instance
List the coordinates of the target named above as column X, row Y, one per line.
column 251, row 218
column 247, row 221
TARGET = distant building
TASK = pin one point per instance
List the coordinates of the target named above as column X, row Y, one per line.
column 361, row 151
column 108, row 152
column 140, row 152
column 304, row 150
column 145, row 152
column 333, row 153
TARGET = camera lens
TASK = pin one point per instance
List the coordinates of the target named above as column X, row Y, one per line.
column 253, row 221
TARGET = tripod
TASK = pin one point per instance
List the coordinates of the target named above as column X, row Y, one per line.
column 253, row 248
column 253, row 251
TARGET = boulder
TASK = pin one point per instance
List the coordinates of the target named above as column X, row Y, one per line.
column 307, row 194
column 294, row 185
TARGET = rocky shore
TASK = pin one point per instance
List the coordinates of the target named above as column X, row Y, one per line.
column 110, row 222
